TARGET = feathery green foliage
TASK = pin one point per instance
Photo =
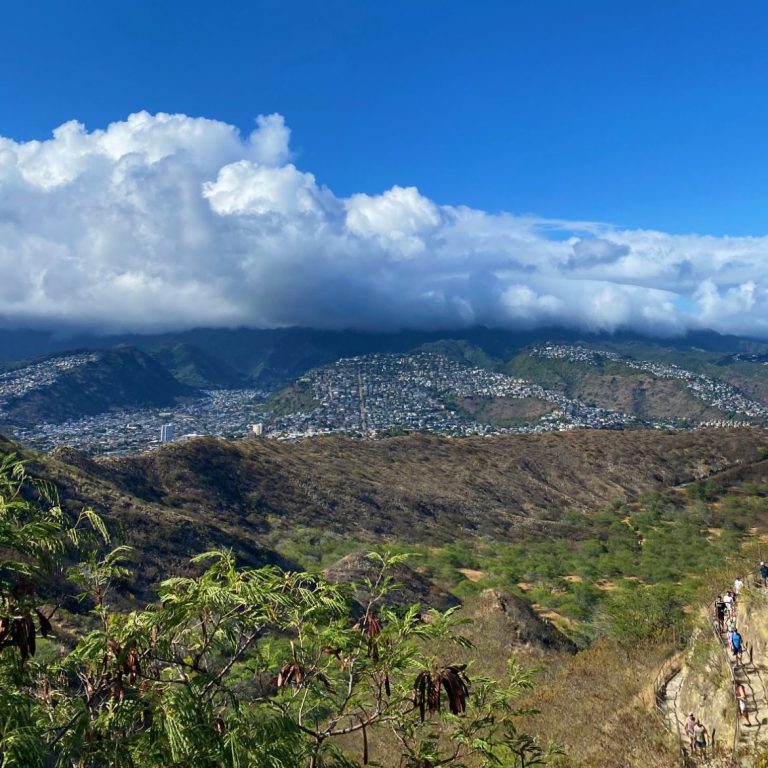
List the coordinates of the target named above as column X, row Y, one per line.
column 232, row 667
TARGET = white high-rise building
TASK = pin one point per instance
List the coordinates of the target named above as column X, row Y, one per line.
column 257, row 429
column 166, row 433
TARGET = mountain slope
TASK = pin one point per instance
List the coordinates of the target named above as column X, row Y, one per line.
column 196, row 368
column 415, row 488
column 61, row 387
column 273, row 357
column 184, row 498
column 616, row 386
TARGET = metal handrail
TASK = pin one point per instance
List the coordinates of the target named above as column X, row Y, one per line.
column 721, row 643
column 732, row 668
column 755, row 580
column 668, row 670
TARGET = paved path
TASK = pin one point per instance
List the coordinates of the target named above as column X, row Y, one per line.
column 669, row 701
column 752, row 674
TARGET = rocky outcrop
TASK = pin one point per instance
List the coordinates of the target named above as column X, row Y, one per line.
column 512, row 619
column 409, row 586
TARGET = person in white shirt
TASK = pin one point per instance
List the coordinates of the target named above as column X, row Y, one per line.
column 737, row 586
column 728, row 600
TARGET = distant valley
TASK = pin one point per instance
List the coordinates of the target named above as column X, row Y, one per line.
column 297, row 383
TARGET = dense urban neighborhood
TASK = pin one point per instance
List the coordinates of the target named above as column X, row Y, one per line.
column 221, row 413
column 366, row 396
column 717, row 394
column 375, row 394
column 17, row 383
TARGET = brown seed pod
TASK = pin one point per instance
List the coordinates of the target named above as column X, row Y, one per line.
column 30, row 634
column 21, row 637
column 131, row 664
column 291, row 673
column 429, row 686
column 371, row 625
column 45, row 624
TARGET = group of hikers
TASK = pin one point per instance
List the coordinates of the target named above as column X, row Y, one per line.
column 725, row 619
column 697, row 733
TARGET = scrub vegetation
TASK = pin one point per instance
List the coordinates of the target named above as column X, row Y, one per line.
column 620, row 571
column 233, row 667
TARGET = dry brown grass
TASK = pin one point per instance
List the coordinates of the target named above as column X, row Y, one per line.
column 424, row 488
column 206, row 493
column 593, row 704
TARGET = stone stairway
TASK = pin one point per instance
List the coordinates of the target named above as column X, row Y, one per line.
column 712, row 696
column 752, row 620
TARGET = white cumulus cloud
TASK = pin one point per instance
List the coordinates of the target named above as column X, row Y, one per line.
column 164, row 222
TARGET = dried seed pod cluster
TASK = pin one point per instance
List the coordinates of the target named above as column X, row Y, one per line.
column 128, row 658
column 19, row 631
column 371, row 625
column 293, row 673
column 429, row 685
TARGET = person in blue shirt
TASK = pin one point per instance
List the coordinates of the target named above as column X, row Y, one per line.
column 737, row 645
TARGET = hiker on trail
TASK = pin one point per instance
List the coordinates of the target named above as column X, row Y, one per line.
column 764, row 573
column 700, row 736
column 728, row 600
column 741, row 699
column 689, row 725
column 737, row 587
column 737, row 645
column 719, row 613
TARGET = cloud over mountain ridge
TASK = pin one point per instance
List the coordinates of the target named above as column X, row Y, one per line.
column 165, row 222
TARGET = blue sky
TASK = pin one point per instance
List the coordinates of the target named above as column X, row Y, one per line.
column 641, row 114
column 428, row 163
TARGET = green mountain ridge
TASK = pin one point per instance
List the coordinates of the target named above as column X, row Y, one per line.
column 197, row 368
column 615, row 386
column 271, row 357
column 659, row 389
column 173, row 366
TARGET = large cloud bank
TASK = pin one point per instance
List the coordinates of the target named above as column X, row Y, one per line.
column 166, row 222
